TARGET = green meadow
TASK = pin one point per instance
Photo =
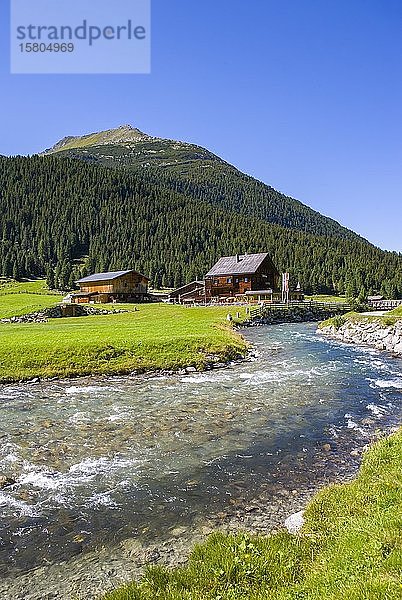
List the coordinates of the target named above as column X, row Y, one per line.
column 326, row 298
column 350, row 548
column 18, row 299
column 146, row 337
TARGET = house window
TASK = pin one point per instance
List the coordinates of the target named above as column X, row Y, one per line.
column 229, row 280
column 237, row 280
column 216, row 281
column 246, row 280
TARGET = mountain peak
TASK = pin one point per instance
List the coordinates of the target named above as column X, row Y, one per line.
column 124, row 134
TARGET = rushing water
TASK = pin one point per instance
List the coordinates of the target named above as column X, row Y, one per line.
column 99, row 460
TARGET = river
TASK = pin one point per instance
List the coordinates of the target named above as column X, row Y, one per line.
column 101, row 460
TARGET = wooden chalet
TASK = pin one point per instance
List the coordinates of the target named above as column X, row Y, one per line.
column 116, row 286
column 242, row 274
column 191, row 292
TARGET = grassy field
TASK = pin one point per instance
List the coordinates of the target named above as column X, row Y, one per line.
column 349, row 549
column 18, row 299
column 38, row 286
column 156, row 336
column 323, row 298
column 15, row 305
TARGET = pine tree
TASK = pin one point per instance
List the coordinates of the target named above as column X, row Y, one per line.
column 50, row 278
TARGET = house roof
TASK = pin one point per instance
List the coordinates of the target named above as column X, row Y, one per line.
column 237, row 265
column 108, row 276
column 199, row 289
column 197, row 284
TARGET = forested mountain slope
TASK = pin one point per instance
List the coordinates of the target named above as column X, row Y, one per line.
column 56, row 210
column 197, row 173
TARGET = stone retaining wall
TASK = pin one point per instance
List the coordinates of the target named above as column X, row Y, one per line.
column 367, row 332
column 296, row 314
column 57, row 312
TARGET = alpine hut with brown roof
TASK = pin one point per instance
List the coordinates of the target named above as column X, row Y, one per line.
column 242, row 274
column 191, row 292
column 114, row 286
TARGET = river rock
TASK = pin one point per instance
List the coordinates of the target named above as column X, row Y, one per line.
column 295, row 522
column 6, row 481
column 398, row 348
column 133, row 548
column 179, row 531
column 376, row 334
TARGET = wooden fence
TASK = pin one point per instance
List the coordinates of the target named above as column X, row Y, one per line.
column 384, row 304
column 336, row 307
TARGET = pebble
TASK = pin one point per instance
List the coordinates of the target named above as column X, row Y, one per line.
column 179, row 531
column 6, row 481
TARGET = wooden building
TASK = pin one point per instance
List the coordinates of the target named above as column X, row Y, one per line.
column 191, row 292
column 242, row 274
column 116, row 286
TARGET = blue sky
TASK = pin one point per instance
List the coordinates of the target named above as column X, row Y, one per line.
column 305, row 95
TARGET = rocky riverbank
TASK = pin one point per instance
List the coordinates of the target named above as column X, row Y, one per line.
column 376, row 333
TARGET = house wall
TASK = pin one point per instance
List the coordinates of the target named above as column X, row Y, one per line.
column 78, row 300
column 185, row 289
column 228, row 285
column 131, row 283
column 266, row 277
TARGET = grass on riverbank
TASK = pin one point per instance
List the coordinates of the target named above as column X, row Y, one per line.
column 389, row 318
column 350, row 549
column 156, row 336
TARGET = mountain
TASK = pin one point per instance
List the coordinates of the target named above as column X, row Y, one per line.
column 122, row 199
column 125, row 134
column 198, row 173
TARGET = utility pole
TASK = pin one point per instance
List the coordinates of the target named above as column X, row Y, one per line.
column 285, row 288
